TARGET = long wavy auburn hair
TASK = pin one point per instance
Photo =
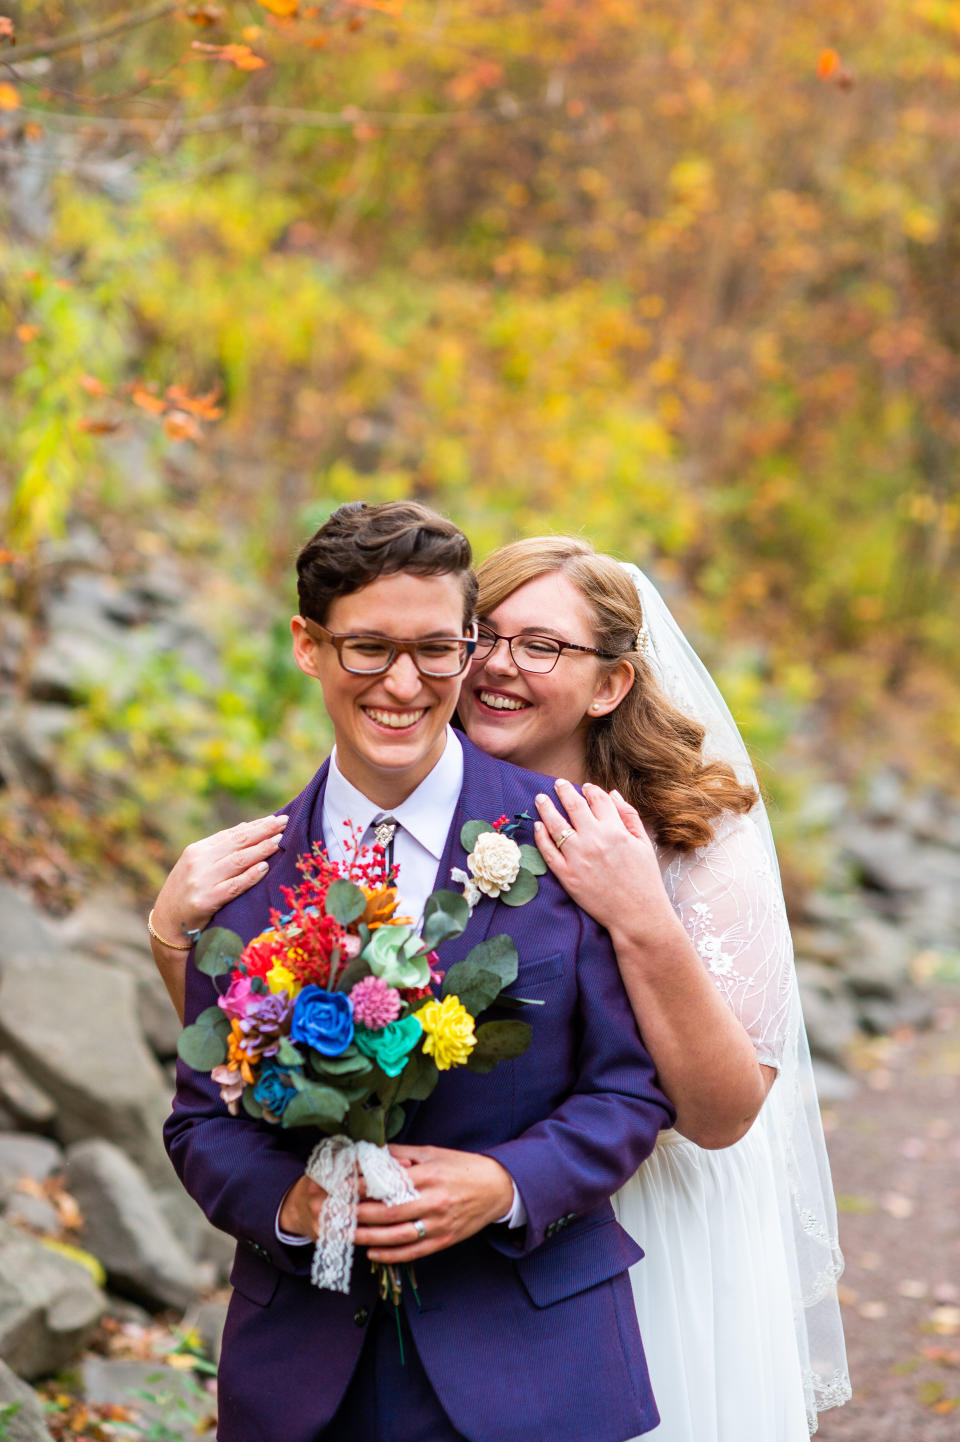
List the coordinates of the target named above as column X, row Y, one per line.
column 646, row 748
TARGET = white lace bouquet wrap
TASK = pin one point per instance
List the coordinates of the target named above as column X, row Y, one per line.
column 336, row 1164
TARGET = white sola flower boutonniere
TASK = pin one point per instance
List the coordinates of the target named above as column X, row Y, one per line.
column 497, row 866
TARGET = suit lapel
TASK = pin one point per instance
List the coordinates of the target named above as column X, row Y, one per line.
column 481, row 799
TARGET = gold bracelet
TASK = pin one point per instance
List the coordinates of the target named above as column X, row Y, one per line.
column 173, row 945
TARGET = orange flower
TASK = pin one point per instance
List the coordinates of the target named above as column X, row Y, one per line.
column 240, row 1055
column 382, row 903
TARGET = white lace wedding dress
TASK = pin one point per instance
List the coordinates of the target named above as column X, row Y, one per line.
column 736, row 1295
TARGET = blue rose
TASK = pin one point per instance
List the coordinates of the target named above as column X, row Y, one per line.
column 323, row 1020
column 273, row 1089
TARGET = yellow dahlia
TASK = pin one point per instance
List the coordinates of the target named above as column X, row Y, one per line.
column 281, row 978
column 448, row 1031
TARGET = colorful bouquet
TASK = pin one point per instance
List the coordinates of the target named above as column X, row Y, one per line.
column 336, row 1015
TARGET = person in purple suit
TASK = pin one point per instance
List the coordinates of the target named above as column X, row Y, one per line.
column 526, row 1325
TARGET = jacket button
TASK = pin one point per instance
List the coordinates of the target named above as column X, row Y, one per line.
column 360, row 1316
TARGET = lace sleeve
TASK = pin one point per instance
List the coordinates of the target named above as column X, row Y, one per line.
column 731, row 905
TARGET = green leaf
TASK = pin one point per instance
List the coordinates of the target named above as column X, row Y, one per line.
column 396, row 1117
column 315, row 1106
column 475, row 987
column 351, row 1062
column 531, row 860
column 499, row 954
column 470, row 832
column 217, row 951
column 288, row 1054
column 445, row 915
column 365, row 1124
column 345, row 902
column 250, row 1104
column 204, row 1044
column 518, row 1002
column 418, row 1078
column 524, row 889
column 353, row 972
column 499, row 1041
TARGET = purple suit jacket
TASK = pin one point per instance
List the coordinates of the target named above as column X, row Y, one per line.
column 526, row 1333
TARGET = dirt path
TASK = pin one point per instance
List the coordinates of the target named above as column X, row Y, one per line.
column 895, row 1153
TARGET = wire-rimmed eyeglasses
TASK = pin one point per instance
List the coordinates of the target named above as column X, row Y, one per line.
column 436, row 657
column 537, row 654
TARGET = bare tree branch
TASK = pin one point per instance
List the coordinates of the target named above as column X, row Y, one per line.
column 16, row 54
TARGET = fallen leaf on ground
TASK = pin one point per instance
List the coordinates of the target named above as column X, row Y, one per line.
column 897, row 1205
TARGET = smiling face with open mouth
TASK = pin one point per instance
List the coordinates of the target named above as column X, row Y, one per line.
column 390, row 729
column 532, row 719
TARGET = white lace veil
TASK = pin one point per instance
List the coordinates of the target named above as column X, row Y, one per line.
column 790, row 1115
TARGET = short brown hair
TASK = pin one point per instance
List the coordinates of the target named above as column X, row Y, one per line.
column 646, row 748
column 360, row 543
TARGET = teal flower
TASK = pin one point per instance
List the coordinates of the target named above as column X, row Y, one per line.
column 390, row 1047
column 387, row 956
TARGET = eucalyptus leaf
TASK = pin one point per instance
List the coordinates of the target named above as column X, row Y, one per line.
column 474, row 986
column 366, row 1124
column 353, row 972
column 445, row 915
column 524, row 889
column 288, row 1054
column 351, row 1062
column 345, row 902
column 418, row 1078
column 217, row 951
column 250, row 1104
column 499, row 954
column 499, row 1041
column 531, row 860
column 518, row 1002
column 316, row 1106
column 470, row 832
column 396, row 1117
column 204, row 1044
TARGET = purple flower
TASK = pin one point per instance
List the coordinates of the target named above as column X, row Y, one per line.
column 323, row 1020
column 266, row 1020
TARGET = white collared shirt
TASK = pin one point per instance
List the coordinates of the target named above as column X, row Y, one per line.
column 424, row 821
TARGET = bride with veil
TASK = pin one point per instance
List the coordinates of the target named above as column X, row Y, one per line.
column 581, row 670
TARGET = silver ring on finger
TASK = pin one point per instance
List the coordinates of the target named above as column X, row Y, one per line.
column 564, row 837
column 420, row 1229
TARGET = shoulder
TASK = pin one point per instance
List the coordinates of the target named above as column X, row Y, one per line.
column 518, row 783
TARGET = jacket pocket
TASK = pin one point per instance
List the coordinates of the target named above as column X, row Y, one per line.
column 537, row 973
column 255, row 1278
column 570, row 1264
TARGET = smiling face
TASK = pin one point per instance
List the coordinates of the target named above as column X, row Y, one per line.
column 541, row 721
column 391, row 729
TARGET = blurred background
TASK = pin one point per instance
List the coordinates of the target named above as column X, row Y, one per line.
column 679, row 277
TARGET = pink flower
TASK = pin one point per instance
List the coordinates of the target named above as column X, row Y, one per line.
column 375, row 1003
column 230, row 1083
column 238, row 997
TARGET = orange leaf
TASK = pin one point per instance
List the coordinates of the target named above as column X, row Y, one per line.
column 239, row 55
column 152, row 404
column 92, row 427
column 828, row 64
column 9, row 97
column 283, row 8
column 203, row 406
column 92, row 386
column 7, row 556
column 181, row 427
column 203, row 14
column 32, row 130
column 27, row 333
column 7, row 31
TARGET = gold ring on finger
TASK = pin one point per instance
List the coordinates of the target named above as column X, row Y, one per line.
column 563, row 838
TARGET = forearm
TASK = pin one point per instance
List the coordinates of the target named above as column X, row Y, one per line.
column 706, row 1062
column 172, row 966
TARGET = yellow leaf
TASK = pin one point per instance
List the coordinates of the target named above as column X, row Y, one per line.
column 283, row 8
column 78, row 1255
column 9, row 96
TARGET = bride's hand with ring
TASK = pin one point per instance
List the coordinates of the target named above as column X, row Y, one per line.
column 596, row 851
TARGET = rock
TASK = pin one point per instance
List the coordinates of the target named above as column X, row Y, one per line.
column 877, row 958
column 126, row 1230
column 885, row 799
column 34, row 1213
column 158, row 1020
column 72, row 1023
column 49, row 1306
column 202, row 1241
column 910, row 1007
column 169, row 1402
column 820, row 943
column 30, row 737
column 833, row 1085
column 26, row 1424
column 208, row 1319
column 831, row 1023
column 28, row 1103
column 885, row 858
column 26, row 1156
column 25, row 932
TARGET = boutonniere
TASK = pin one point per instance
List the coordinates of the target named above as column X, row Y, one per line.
column 497, row 866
